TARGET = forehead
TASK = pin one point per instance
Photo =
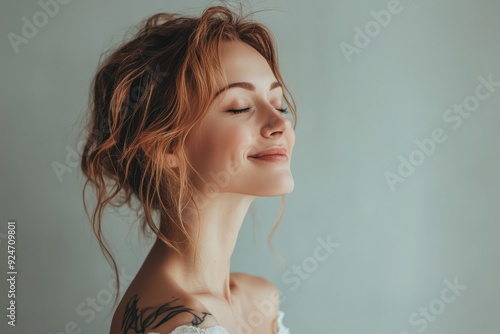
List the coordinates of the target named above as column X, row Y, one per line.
column 241, row 62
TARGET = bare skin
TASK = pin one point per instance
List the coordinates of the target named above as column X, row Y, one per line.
column 143, row 309
column 167, row 291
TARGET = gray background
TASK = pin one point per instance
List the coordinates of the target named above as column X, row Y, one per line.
column 356, row 118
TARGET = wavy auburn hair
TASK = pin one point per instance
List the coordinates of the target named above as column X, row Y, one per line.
column 150, row 92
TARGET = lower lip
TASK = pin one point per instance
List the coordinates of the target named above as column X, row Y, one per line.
column 273, row 158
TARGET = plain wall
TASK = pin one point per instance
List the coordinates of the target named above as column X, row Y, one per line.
column 359, row 116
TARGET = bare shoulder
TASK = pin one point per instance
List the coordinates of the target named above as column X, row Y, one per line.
column 257, row 286
column 146, row 313
column 262, row 298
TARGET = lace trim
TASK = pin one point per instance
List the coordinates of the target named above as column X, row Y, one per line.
column 282, row 328
column 184, row 329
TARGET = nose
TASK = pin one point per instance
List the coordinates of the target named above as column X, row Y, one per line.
column 275, row 123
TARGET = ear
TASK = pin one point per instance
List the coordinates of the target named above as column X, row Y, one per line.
column 170, row 159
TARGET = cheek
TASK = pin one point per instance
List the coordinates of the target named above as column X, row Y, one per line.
column 221, row 148
column 291, row 139
column 233, row 144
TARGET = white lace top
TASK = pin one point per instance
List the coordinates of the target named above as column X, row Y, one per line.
column 221, row 330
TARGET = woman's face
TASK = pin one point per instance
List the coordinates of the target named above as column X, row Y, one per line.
column 220, row 146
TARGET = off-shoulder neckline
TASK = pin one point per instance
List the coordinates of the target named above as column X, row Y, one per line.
column 198, row 329
column 202, row 330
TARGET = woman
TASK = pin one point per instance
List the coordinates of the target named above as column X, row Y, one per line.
column 187, row 118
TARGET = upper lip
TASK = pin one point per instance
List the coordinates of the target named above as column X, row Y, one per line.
column 278, row 150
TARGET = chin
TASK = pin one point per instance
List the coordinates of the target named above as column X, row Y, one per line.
column 284, row 187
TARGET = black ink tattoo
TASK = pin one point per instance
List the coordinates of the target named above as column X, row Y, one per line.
column 139, row 320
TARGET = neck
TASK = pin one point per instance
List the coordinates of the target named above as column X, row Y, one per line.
column 221, row 219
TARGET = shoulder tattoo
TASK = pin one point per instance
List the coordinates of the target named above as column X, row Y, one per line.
column 152, row 317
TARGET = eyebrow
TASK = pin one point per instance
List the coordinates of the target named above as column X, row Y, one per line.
column 246, row 85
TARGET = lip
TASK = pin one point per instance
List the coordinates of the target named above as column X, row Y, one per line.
column 273, row 158
column 272, row 154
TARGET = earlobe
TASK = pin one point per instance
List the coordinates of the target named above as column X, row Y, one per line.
column 171, row 160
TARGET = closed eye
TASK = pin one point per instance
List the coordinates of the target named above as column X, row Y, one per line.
column 237, row 111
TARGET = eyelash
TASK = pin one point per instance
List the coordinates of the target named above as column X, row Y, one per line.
column 234, row 111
